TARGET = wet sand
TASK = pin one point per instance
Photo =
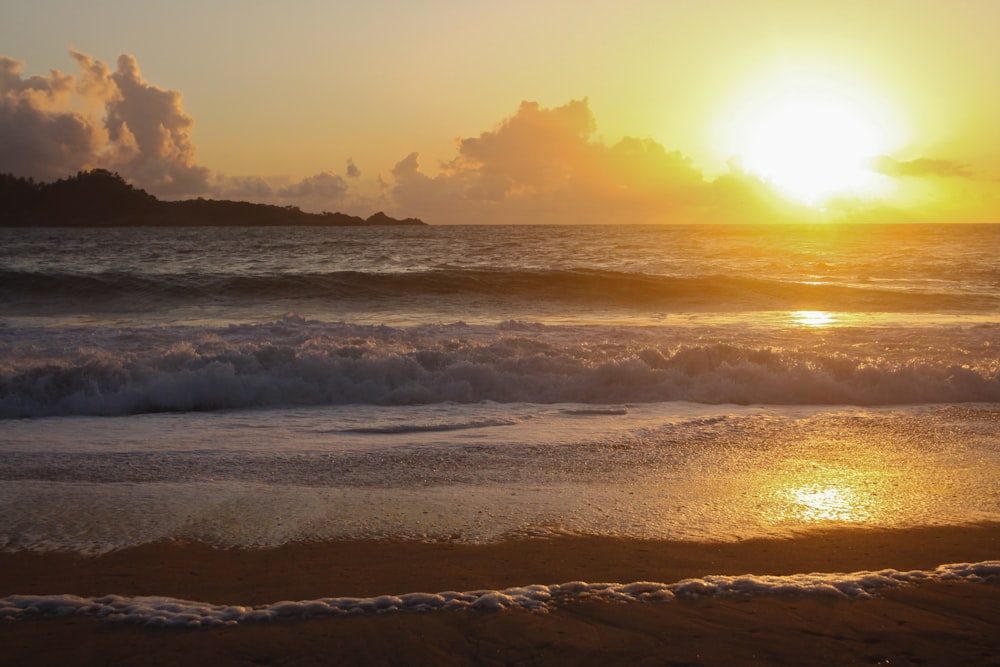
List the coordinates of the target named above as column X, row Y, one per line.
column 941, row 623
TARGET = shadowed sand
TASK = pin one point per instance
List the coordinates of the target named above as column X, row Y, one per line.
column 941, row 623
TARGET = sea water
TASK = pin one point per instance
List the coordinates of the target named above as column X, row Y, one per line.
column 257, row 386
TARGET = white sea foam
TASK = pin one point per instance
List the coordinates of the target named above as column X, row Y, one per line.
column 172, row 612
column 113, row 371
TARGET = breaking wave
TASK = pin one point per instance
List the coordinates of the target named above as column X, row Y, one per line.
column 293, row 362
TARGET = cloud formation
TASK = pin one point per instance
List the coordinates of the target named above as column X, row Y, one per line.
column 921, row 167
column 539, row 165
column 325, row 185
column 152, row 133
column 548, row 165
column 41, row 134
column 52, row 126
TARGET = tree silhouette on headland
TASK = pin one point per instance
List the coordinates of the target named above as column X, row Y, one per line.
column 100, row 198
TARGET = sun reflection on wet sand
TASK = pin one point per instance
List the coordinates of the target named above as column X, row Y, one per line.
column 830, row 503
column 766, row 471
column 831, row 492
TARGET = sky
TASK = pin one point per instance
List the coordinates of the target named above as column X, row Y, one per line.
column 519, row 112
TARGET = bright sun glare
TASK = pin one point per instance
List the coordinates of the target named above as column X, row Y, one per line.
column 813, row 136
column 813, row 318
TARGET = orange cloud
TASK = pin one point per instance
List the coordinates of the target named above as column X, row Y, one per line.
column 548, row 166
column 539, row 165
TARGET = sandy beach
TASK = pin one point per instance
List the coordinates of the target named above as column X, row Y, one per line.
column 930, row 623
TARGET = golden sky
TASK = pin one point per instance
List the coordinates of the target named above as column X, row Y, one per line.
column 465, row 112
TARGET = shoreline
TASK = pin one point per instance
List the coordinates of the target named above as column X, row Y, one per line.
column 363, row 568
column 940, row 622
column 935, row 624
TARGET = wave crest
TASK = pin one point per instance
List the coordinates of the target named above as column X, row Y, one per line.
column 294, row 362
column 569, row 286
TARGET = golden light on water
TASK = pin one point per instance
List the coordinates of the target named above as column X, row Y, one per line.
column 813, row 318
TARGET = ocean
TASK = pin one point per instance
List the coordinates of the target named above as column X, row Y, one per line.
column 253, row 387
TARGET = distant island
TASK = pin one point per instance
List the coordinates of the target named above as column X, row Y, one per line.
column 100, row 198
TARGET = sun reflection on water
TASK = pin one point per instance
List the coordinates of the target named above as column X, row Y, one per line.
column 813, row 318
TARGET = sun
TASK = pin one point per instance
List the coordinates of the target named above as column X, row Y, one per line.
column 813, row 136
